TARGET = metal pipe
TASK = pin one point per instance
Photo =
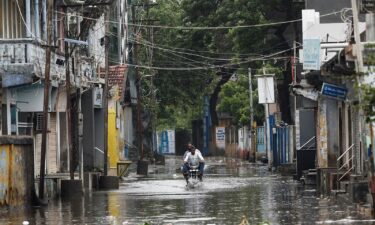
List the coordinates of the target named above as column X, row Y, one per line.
column 342, row 155
column 307, row 142
column 36, row 18
column 28, row 18
column 44, row 15
column 334, row 45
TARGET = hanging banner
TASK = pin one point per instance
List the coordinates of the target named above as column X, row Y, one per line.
column 266, row 89
column 311, row 54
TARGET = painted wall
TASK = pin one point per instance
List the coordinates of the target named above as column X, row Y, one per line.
column 16, row 171
column 116, row 129
column 113, row 151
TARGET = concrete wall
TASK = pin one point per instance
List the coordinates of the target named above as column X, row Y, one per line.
column 328, row 133
column 29, row 98
column 16, row 171
column 333, row 131
column 322, row 144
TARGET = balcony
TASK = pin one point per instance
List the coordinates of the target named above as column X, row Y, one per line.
column 26, row 58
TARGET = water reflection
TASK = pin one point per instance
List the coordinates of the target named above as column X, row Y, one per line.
column 231, row 189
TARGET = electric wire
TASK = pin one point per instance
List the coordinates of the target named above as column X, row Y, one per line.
column 210, row 27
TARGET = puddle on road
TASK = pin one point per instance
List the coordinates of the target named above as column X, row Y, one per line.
column 231, row 190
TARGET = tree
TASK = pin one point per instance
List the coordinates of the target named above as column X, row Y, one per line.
column 180, row 93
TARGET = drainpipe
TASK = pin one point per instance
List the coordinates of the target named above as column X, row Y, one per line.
column 44, row 15
column 28, row 29
column 28, row 19
column 36, row 21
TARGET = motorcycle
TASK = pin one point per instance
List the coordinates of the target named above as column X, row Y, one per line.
column 193, row 177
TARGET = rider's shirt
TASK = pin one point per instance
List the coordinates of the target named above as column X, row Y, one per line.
column 195, row 159
column 187, row 151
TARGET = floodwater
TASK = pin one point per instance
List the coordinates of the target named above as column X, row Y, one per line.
column 231, row 190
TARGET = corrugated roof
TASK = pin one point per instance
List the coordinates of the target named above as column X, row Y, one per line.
column 116, row 76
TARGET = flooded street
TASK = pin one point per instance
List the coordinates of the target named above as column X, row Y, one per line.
column 230, row 190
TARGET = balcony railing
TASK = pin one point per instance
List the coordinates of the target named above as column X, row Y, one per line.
column 26, row 51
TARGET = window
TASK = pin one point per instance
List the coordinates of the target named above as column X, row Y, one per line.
column 11, row 23
column 25, row 123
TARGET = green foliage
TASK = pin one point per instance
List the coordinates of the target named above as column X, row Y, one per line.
column 368, row 91
column 180, row 93
column 234, row 99
column 369, row 102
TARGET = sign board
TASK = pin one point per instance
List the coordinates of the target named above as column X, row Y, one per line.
column 311, row 54
column 98, row 97
column 266, row 89
column 367, row 6
column 334, row 91
column 166, row 142
column 220, row 137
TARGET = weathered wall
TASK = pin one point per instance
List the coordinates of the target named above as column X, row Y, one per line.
column 333, row 131
column 16, row 171
column 322, row 135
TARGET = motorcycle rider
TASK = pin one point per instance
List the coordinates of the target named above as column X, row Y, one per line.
column 189, row 148
column 193, row 158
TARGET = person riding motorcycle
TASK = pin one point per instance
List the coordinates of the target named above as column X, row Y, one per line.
column 189, row 148
column 193, row 158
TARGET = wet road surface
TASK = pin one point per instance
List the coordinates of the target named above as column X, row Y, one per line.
column 231, row 189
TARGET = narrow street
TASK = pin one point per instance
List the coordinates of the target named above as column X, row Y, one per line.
column 231, row 189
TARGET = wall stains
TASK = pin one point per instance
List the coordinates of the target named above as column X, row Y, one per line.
column 16, row 172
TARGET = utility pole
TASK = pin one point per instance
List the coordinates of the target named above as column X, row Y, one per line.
column 252, row 149
column 46, row 101
column 68, row 103
column 105, row 91
column 357, row 36
column 119, row 31
column 138, row 87
column 360, row 70
column 294, row 81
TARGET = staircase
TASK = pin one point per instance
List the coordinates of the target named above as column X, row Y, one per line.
column 354, row 186
column 308, row 177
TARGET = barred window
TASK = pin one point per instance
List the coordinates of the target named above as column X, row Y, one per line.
column 11, row 23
